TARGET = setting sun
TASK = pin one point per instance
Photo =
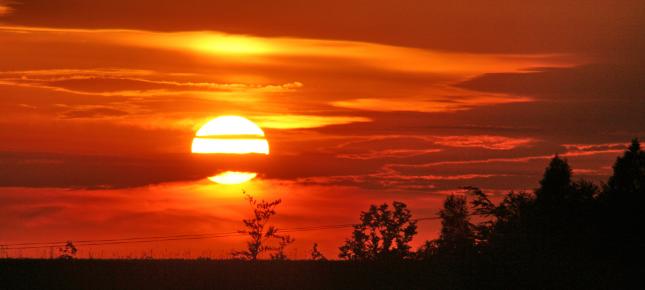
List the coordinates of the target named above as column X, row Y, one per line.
column 230, row 135
column 427, row 144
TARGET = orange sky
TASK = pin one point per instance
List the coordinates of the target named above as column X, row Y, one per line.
column 361, row 101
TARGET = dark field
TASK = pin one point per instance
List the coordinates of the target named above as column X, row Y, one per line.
column 230, row 274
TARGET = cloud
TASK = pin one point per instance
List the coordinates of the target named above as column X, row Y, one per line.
column 28, row 169
column 93, row 113
column 78, row 171
column 523, row 159
column 594, row 147
column 108, row 172
column 304, row 121
column 391, row 180
column 506, row 26
column 222, row 47
column 390, row 153
column 428, row 105
column 126, row 82
column 397, row 146
column 485, row 141
column 330, row 107
column 4, row 9
column 588, row 82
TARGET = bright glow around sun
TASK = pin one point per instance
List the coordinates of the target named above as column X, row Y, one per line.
column 229, row 44
column 232, row 177
column 230, row 135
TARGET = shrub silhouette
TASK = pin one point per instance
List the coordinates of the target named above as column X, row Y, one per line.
column 284, row 241
column 383, row 233
column 260, row 233
column 68, row 251
column 316, row 255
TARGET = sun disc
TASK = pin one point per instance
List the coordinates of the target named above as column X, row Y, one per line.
column 229, row 125
column 230, row 135
column 232, row 177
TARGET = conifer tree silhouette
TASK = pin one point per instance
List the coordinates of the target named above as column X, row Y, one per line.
column 555, row 185
column 628, row 179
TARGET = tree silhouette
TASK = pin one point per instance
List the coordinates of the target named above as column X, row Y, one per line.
column 621, row 206
column 457, row 237
column 383, row 233
column 563, row 208
column 556, row 221
column 629, row 173
column 497, row 218
column 427, row 251
column 504, row 229
column 316, row 255
column 259, row 232
column 563, row 231
column 68, row 252
column 555, row 184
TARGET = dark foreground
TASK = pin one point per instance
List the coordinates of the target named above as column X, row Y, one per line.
column 227, row 274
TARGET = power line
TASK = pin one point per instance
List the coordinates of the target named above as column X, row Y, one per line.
column 161, row 238
column 179, row 237
column 109, row 240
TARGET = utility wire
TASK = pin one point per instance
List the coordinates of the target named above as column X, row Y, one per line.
column 179, row 237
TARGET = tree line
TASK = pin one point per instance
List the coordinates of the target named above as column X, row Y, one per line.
column 562, row 220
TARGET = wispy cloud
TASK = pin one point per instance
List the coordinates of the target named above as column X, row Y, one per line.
column 126, row 82
column 261, row 49
column 390, row 180
column 523, row 159
column 388, row 153
column 431, row 104
column 485, row 142
column 4, row 8
column 288, row 121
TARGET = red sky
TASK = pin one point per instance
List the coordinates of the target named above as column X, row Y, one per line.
column 362, row 102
